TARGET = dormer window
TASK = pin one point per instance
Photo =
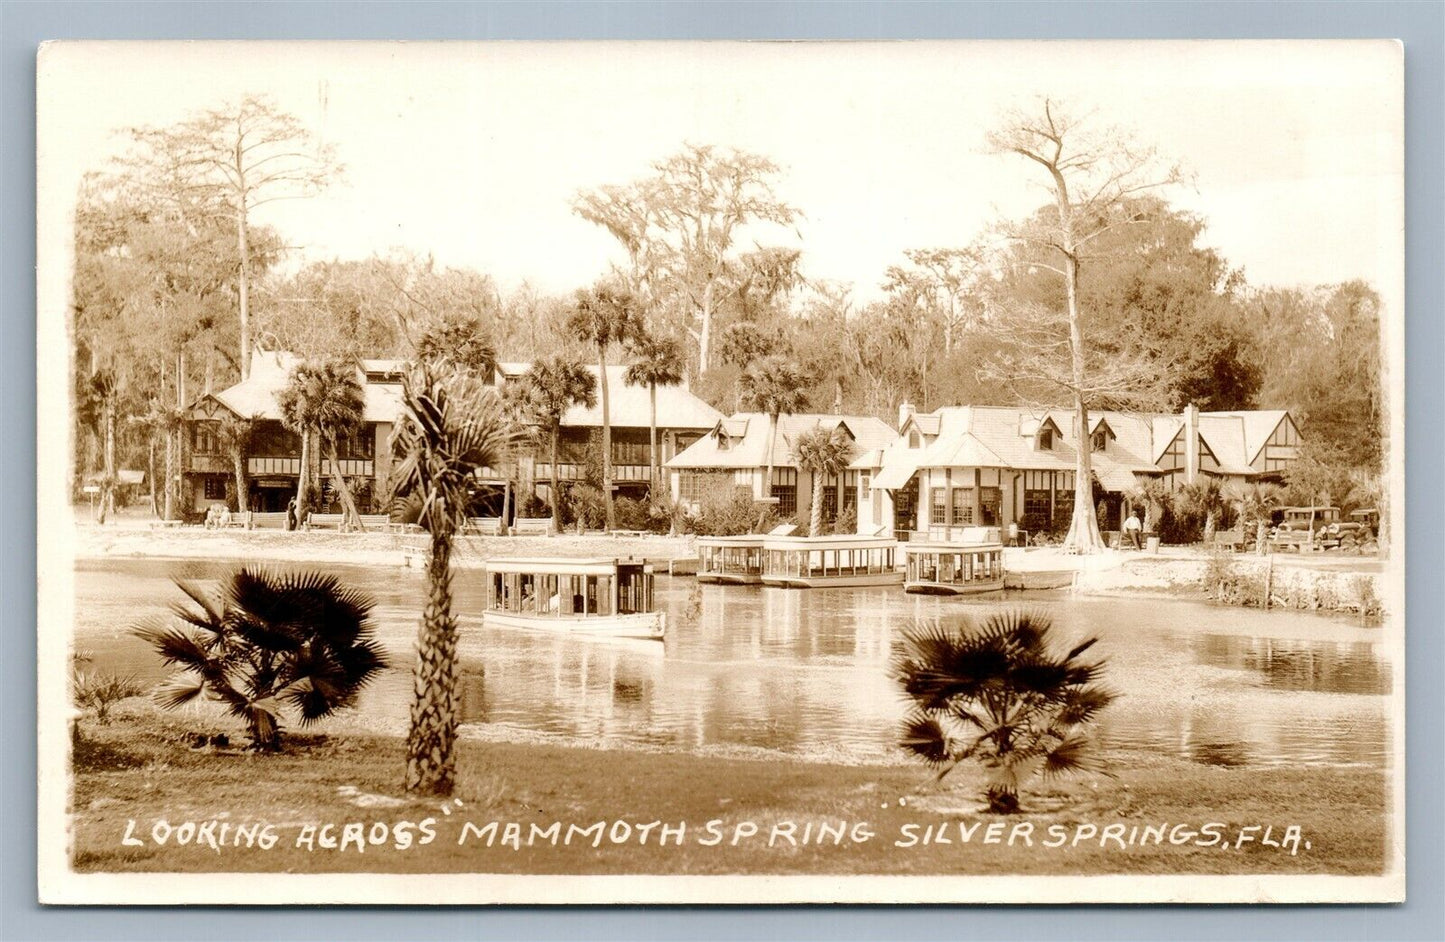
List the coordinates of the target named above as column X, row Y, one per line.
column 1101, row 439
column 1046, row 439
column 914, row 439
column 724, row 442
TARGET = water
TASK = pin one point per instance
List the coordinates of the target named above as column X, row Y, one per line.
column 805, row 671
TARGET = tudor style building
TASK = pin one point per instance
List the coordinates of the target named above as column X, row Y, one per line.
column 682, row 418
column 969, row 466
column 735, row 450
column 273, row 457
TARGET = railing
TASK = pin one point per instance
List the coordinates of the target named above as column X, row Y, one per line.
column 210, row 464
column 567, row 471
column 350, row 467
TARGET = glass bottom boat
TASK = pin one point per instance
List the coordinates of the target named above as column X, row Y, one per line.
column 603, row 597
column 806, row 562
column 953, row 568
column 730, row 560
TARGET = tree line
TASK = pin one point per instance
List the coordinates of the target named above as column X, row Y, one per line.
column 1106, row 297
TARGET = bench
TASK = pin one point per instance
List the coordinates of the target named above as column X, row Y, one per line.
column 378, row 523
column 266, row 521
column 315, row 521
column 483, row 526
column 626, row 532
column 532, row 526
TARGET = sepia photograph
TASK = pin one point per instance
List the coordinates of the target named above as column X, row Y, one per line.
column 721, row 472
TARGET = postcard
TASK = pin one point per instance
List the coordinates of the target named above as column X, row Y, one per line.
column 744, row 473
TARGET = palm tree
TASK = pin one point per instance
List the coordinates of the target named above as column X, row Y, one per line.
column 97, row 407
column 1155, row 494
column 552, row 386
column 998, row 693
column 825, row 453
column 774, row 386
column 1256, row 500
column 658, row 362
column 235, row 433
column 451, row 426
column 324, row 400
column 1204, row 498
column 604, row 316
column 266, row 641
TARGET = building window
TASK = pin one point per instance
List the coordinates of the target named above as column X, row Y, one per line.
column 1063, row 505
column 914, row 439
column 850, row 489
column 1046, row 439
column 693, row 486
column 1036, row 504
column 962, row 505
column 937, row 505
column 204, row 440
column 990, row 504
column 785, row 490
column 830, row 502
column 634, row 453
column 1101, row 439
column 215, row 488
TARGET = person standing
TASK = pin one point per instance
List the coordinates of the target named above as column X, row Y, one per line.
column 1132, row 529
column 291, row 514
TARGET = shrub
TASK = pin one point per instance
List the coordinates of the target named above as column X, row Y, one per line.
column 847, row 521
column 998, row 694
column 632, row 514
column 267, row 641
column 586, row 506
column 725, row 510
column 98, row 692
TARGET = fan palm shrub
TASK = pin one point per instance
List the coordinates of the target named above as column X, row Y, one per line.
column 550, row 387
column 825, row 453
column 657, row 361
column 451, row 426
column 999, row 694
column 265, row 642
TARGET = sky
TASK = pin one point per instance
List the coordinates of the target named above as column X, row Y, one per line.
column 472, row 153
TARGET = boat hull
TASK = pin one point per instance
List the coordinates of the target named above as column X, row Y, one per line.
column 939, row 588
column 826, row 582
column 649, row 626
column 730, row 578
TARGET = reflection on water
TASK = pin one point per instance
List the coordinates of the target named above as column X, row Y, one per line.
column 1342, row 667
column 806, row 670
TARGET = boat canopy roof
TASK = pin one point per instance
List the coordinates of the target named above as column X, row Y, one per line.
column 743, row 539
column 833, row 541
column 558, row 566
column 945, row 547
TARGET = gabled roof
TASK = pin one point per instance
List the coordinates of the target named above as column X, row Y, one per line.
column 631, row 406
column 749, row 434
column 1258, row 424
column 255, row 396
column 1006, row 437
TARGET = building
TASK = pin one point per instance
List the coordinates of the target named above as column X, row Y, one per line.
column 992, row 466
column 682, row 418
column 273, row 458
column 735, row 450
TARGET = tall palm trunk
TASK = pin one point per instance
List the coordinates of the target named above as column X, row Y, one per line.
column 430, row 759
column 238, row 468
column 556, row 491
column 611, row 515
column 170, row 488
column 350, row 516
column 656, row 470
column 301, row 473
column 815, row 512
column 107, row 486
column 151, row 475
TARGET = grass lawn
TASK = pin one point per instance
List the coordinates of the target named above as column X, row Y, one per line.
column 775, row 816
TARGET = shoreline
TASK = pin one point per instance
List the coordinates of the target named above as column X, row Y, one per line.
column 1325, row 584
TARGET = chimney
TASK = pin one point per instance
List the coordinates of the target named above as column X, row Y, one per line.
column 905, row 409
column 1191, row 443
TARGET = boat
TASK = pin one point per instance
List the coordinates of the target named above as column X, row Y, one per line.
column 810, row 562
column 953, row 568
column 597, row 597
column 730, row 560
